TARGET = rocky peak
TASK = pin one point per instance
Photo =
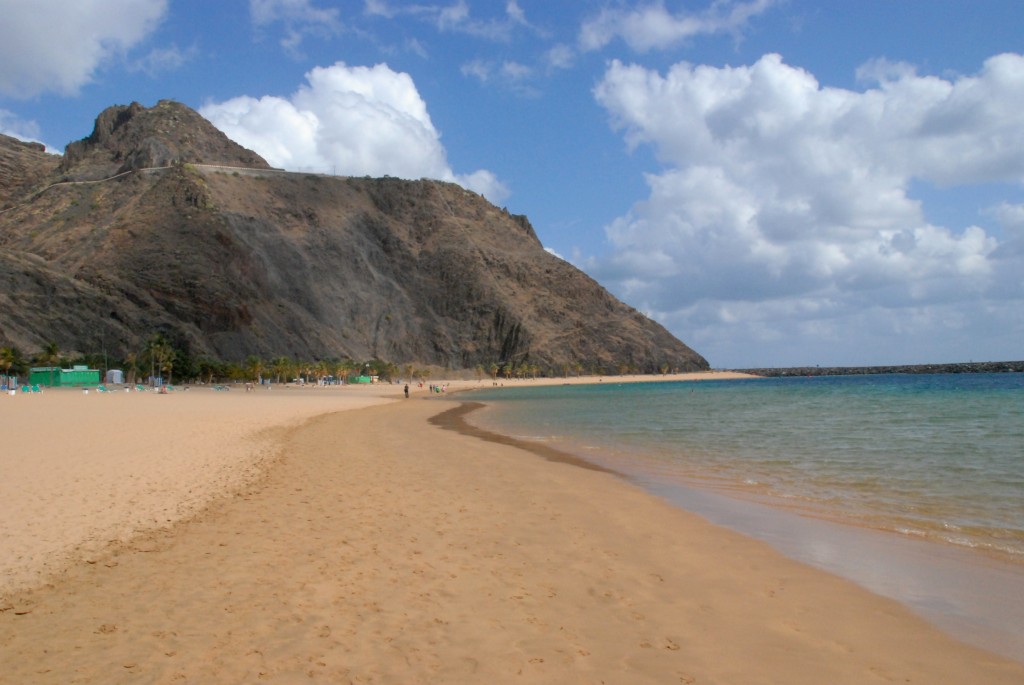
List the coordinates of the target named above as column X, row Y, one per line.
column 127, row 137
column 23, row 168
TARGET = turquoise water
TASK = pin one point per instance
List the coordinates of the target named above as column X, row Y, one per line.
column 936, row 457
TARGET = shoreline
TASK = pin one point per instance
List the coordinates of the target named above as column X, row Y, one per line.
column 937, row 581
column 454, row 419
column 378, row 547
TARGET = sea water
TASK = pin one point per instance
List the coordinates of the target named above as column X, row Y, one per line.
column 935, row 461
column 932, row 456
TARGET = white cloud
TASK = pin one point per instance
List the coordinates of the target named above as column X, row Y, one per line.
column 265, row 12
column 552, row 251
column 352, row 121
column 797, row 333
column 12, row 125
column 783, row 196
column 478, row 69
column 456, row 17
column 298, row 18
column 378, row 8
column 560, row 56
column 514, row 76
column 515, row 71
column 417, row 48
column 515, row 13
column 81, row 36
column 652, row 27
column 484, row 182
column 162, row 60
column 1011, row 218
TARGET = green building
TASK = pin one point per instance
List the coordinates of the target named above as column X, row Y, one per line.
column 63, row 378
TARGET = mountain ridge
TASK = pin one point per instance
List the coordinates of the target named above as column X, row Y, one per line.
column 197, row 238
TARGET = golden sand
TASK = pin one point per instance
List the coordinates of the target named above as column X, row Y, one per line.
column 346, row 539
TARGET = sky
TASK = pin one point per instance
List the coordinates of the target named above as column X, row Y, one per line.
column 777, row 182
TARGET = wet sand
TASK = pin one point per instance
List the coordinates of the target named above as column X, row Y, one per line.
column 975, row 597
column 369, row 545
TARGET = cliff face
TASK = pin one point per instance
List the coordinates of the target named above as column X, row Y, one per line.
column 24, row 167
column 231, row 262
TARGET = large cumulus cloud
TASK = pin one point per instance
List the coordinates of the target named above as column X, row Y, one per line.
column 784, row 211
column 58, row 45
column 349, row 120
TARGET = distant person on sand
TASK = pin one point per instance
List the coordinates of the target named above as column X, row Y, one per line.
column 406, row 391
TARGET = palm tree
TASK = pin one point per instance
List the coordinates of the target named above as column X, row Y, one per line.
column 280, row 367
column 387, row 371
column 207, row 368
column 337, row 369
column 7, row 361
column 10, row 358
column 130, row 365
column 50, row 356
column 167, row 364
column 321, row 370
column 306, row 370
column 234, row 371
column 343, row 369
column 253, row 368
column 161, row 355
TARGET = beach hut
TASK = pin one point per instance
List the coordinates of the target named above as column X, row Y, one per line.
column 114, row 377
column 44, row 375
column 55, row 377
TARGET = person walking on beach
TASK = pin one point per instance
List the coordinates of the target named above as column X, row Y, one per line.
column 406, row 391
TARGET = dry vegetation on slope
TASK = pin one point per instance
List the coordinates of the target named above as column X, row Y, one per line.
column 230, row 262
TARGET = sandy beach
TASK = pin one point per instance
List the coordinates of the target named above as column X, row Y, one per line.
column 341, row 536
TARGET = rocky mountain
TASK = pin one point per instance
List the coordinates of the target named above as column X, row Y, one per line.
column 157, row 222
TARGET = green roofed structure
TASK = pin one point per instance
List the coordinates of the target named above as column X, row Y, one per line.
column 55, row 377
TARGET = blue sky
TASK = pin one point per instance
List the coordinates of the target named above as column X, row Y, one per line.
column 778, row 182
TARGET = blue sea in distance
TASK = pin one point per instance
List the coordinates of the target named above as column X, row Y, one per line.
column 934, row 457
